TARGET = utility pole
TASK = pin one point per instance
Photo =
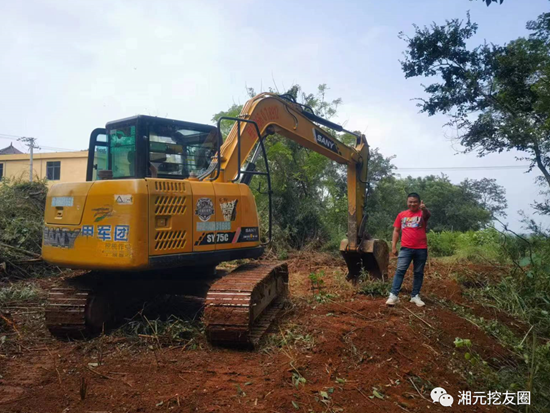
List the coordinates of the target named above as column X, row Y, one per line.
column 31, row 144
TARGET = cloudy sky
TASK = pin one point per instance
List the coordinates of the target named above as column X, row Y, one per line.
column 67, row 67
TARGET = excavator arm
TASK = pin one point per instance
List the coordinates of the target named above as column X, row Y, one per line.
column 271, row 114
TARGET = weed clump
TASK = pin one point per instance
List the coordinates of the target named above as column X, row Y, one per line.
column 169, row 332
column 374, row 287
column 18, row 293
column 22, row 207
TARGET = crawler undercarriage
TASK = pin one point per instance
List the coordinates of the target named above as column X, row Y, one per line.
column 238, row 306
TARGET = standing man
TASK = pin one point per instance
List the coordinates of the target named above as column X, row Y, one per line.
column 414, row 247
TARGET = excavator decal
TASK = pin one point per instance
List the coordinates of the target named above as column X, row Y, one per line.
column 262, row 118
column 244, row 234
column 229, row 209
column 60, row 237
column 325, row 141
column 205, row 209
column 101, row 213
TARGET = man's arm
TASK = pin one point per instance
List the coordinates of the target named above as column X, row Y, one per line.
column 395, row 236
column 426, row 214
column 394, row 240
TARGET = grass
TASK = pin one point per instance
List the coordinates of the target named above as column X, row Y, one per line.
column 528, row 368
column 169, row 332
column 374, row 287
column 293, row 337
column 18, row 293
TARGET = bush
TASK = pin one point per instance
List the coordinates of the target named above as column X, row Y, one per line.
column 525, row 292
column 442, row 244
column 483, row 245
column 480, row 245
column 22, row 207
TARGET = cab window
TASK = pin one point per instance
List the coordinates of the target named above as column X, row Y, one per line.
column 122, row 151
column 176, row 152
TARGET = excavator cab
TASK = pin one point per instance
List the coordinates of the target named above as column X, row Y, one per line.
column 150, row 147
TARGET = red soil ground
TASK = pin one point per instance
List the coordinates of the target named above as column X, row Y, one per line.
column 351, row 348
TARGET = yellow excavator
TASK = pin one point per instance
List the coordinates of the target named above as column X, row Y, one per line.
column 165, row 201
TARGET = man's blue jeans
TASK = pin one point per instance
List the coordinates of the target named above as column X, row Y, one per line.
column 406, row 255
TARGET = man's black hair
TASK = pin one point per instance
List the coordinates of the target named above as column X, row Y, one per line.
column 414, row 195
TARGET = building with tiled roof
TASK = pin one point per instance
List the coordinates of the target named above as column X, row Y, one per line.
column 10, row 150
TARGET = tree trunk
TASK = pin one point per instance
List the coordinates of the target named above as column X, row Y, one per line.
column 538, row 158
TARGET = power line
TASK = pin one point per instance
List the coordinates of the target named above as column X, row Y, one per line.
column 13, row 136
column 2, row 136
column 60, row 149
column 457, row 168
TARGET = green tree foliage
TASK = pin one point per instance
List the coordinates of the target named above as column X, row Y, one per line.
column 497, row 97
column 462, row 207
column 488, row 194
column 232, row 112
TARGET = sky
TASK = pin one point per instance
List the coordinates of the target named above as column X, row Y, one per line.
column 68, row 67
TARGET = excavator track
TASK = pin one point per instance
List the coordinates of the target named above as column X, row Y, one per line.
column 66, row 312
column 74, row 311
column 240, row 307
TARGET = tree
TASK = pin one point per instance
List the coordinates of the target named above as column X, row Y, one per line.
column 380, row 167
column 489, row 195
column 232, row 112
column 497, row 97
column 460, row 207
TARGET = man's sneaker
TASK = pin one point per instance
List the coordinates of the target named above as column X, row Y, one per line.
column 392, row 300
column 416, row 299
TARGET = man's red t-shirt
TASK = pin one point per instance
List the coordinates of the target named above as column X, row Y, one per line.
column 413, row 228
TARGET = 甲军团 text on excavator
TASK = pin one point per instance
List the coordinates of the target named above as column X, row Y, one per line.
column 166, row 201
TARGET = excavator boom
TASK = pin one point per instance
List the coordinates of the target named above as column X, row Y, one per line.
column 267, row 114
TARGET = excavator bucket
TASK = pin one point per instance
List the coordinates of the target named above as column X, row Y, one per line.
column 372, row 257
